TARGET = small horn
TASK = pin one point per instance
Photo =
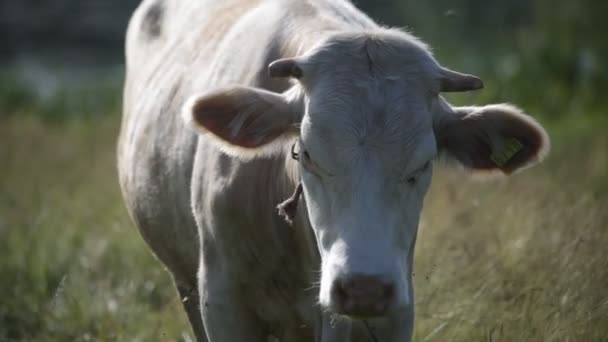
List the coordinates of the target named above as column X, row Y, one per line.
column 452, row 81
column 286, row 67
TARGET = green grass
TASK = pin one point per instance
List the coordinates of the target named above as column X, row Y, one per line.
column 72, row 266
column 518, row 259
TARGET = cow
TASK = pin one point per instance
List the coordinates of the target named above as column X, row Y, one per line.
column 275, row 154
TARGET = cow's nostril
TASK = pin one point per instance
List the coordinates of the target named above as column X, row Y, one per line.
column 366, row 286
column 362, row 295
column 338, row 292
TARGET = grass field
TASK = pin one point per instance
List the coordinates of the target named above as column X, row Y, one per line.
column 522, row 259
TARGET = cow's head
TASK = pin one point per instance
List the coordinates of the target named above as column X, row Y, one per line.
column 369, row 121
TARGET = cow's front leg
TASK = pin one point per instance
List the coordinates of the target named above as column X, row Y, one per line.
column 225, row 315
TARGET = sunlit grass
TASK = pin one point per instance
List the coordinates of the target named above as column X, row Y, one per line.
column 519, row 259
column 72, row 266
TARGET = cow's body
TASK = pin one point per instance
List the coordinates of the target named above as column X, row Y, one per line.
column 175, row 49
column 208, row 213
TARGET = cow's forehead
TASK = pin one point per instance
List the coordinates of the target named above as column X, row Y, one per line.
column 362, row 57
column 367, row 82
column 369, row 92
column 384, row 119
column 370, row 106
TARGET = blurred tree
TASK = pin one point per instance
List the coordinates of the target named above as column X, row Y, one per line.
column 545, row 52
column 36, row 26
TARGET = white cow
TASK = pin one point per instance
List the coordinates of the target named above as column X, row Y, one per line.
column 310, row 104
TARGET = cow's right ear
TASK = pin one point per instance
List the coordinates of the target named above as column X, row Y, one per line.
column 244, row 121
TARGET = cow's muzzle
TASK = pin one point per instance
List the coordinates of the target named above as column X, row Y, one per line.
column 362, row 296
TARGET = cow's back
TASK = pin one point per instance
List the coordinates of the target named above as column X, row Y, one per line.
column 168, row 45
column 179, row 48
column 174, row 50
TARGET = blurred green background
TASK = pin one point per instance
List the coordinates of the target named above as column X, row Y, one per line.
column 553, row 51
column 521, row 259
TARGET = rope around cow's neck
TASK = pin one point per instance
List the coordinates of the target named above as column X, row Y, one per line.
column 372, row 335
column 288, row 208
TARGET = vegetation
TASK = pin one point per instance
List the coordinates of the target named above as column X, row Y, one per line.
column 518, row 259
column 510, row 259
column 73, row 267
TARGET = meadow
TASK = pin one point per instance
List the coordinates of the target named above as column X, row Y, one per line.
column 511, row 259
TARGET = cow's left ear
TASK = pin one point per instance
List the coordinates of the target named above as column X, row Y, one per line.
column 244, row 121
column 491, row 138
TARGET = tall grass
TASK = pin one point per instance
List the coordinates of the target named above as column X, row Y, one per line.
column 72, row 268
column 518, row 259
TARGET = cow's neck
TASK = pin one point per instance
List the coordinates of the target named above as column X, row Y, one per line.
column 300, row 224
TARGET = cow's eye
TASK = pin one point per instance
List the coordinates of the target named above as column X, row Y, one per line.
column 413, row 178
column 311, row 166
column 306, row 156
column 306, row 160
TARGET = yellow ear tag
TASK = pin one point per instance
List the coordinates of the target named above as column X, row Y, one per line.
column 510, row 148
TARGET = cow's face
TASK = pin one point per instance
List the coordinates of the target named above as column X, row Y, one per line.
column 364, row 185
column 368, row 121
column 366, row 149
